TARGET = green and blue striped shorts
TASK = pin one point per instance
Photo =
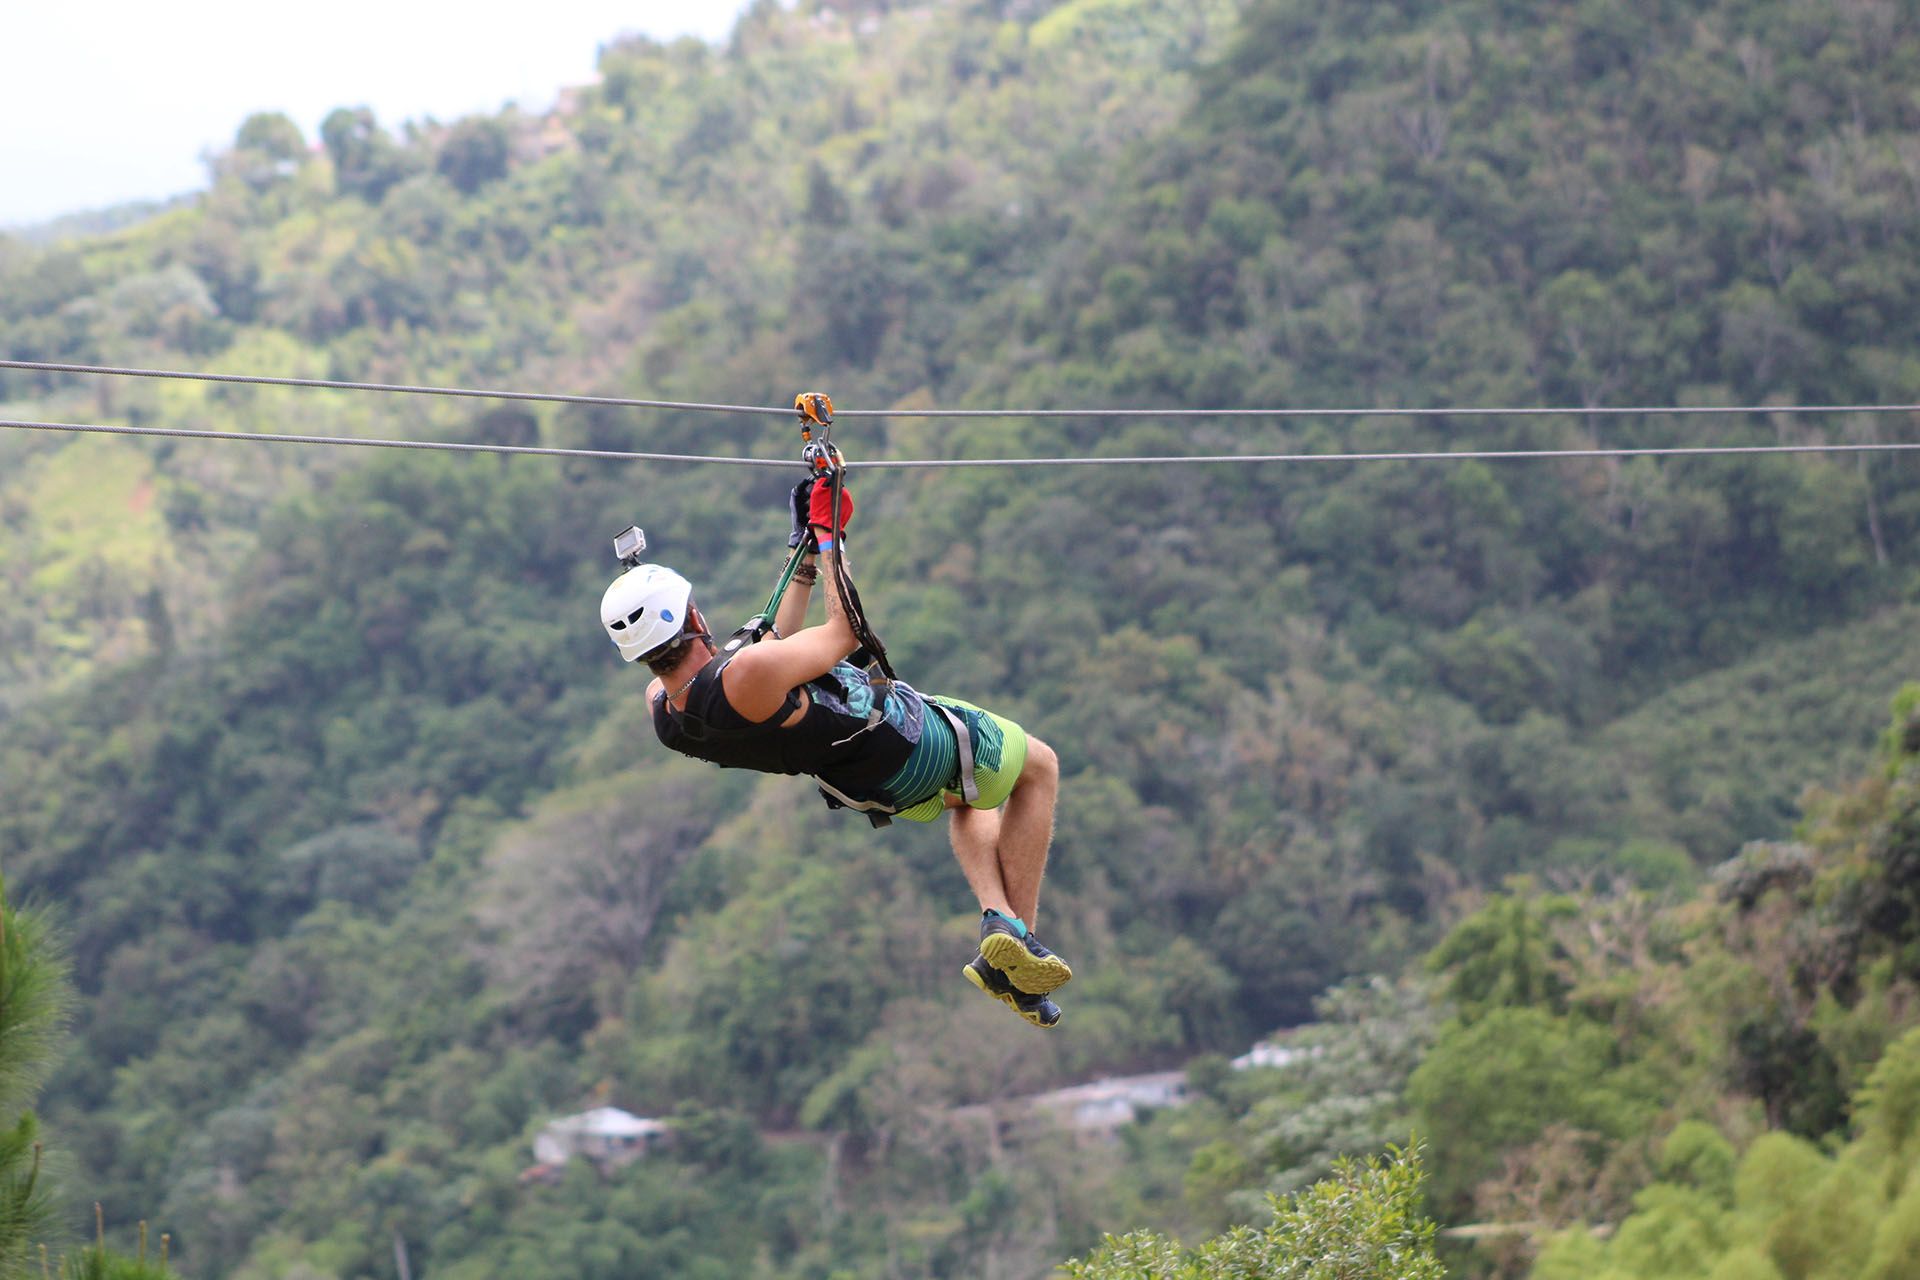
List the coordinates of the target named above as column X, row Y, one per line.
column 931, row 774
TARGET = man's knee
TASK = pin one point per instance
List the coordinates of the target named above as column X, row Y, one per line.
column 1042, row 767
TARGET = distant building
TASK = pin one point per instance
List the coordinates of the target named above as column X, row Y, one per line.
column 1101, row 1109
column 1105, row 1106
column 1265, row 1054
column 607, row 1136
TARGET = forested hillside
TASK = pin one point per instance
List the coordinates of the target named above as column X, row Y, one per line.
column 370, row 864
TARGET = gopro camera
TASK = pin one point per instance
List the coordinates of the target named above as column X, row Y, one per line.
column 629, row 544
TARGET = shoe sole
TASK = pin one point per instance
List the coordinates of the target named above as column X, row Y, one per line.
column 1006, row 999
column 1035, row 975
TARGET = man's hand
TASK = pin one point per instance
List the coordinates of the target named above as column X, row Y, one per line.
column 801, row 502
column 820, row 509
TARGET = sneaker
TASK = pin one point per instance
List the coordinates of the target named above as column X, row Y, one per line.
column 1038, row 1010
column 1009, row 946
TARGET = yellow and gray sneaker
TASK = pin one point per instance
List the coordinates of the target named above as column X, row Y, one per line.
column 1009, row 946
column 1041, row 1011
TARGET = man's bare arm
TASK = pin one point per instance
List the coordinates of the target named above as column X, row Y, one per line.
column 791, row 616
column 830, row 565
column 758, row 680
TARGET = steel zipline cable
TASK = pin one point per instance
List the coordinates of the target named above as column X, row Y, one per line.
column 368, row 442
column 786, row 411
column 329, row 384
column 1463, row 455
column 903, row 464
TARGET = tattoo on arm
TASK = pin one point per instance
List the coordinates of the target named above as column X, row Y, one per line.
column 836, row 607
column 839, row 616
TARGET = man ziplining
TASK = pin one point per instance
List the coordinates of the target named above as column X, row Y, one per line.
column 782, row 697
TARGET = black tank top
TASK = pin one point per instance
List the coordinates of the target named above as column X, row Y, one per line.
column 832, row 741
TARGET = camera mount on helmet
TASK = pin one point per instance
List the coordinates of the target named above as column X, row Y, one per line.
column 629, row 545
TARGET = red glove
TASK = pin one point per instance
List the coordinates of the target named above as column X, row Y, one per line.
column 820, row 508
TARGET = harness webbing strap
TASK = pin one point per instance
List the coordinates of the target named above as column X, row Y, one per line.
column 759, row 624
column 846, row 801
column 969, row 788
column 850, row 594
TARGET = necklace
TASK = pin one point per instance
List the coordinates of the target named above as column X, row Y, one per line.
column 675, row 695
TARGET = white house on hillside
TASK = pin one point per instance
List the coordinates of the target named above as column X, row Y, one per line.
column 1265, row 1054
column 1106, row 1105
column 607, row 1136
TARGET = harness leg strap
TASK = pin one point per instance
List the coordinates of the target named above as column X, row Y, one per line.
column 878, row 812
column 969, row 789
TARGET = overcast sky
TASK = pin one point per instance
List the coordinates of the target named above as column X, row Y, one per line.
column 103, row 101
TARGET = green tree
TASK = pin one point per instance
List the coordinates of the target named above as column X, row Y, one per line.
column 33, row 1008
column 1497, row 1084
column 1340, row 1093
column 1504, row 955
column 1785, row 1209
column 268, row 148
column 102, row 1263
column 366, row 160
column 273, row 134
column 1363, row 1223
column 475, row 153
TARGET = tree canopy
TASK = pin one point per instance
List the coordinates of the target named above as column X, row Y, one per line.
column 1495, row 774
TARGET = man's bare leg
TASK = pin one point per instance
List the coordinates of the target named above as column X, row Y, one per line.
column 1004, row 857
column 976, row 836
column 1003, row 852
column 1026, row 829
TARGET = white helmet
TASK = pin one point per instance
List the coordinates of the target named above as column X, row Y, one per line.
column 645, row 608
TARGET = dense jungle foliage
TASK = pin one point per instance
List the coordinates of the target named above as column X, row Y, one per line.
column 1490, row 774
